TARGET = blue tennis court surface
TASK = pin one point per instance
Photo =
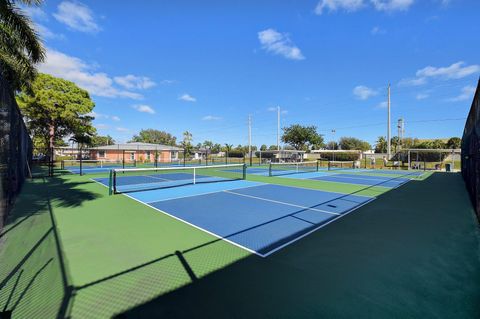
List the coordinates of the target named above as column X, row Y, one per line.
column 253, row 170
column 93, row 170
column 356, row 178
column 261, row 218
column 367, row 180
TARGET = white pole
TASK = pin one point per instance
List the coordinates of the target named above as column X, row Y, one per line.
column 389, row 152
column 409, row 164
column 278, row 128
column 334, row 143
column 194, row 175
column 249, row 136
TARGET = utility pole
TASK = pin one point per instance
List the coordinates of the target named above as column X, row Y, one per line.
column 401, row 132
column 278, row 128
column 250, row 138
column 389, row 151
column 333, row 142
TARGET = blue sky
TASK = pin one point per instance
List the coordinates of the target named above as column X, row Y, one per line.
column 204, row 66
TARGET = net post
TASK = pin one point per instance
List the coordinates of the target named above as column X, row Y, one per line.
column 244, row 171
column 123, row 159
column 318, row 168
column 81, row 161
column 270, row 170
column 194, row 176
column 110, row 183
column 114, row 181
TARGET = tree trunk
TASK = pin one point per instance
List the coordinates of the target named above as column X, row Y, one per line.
column 50, row 147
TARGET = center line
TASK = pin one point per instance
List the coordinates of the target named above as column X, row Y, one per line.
column 283, row 203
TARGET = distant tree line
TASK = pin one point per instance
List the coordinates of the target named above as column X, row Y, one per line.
column 295, row 137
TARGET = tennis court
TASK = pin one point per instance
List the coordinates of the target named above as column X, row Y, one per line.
column 260, row 218
column 355, row 178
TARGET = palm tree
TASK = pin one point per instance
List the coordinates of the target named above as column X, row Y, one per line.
column 228, row 148
column 20, row 45
column 187, row 137
column 381, row 145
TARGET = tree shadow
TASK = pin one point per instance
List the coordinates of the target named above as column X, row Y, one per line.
column 37, row 193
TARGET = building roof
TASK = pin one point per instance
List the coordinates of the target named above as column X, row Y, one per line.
column 137, row 146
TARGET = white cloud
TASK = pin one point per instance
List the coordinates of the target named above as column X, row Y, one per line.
column 81, row 73
column 392, row 5
column 46, row 33
column 77, row 16
column 131, row 81
column 422, row 96
column 467, row 94
column 279, row 43
column 382, row 105
column 211, row 118
column 454, row 71
column 334, row 5
column 99, row 116
column 355, row 5
column 122, row 129
column 274, row 109
column 167, row 82
column 35, row 13
column 187, row 98
column 144, row 108
column 377, row 31
column 412, row 82
column 363, row 92
column 101, row 126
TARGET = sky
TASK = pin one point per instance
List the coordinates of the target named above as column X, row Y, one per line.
column 206, row 66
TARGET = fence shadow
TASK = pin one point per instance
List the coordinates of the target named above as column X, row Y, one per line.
column 418, row 240
column 34, row 280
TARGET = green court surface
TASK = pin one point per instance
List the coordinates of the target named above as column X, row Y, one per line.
column 70, row 250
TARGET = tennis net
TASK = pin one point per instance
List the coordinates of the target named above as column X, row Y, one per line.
column 140, row 179
column 340, row 165
column 86, row 164
column 276, row 169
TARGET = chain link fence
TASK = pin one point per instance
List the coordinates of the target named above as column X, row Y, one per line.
column 471, row 151
column 15, row 149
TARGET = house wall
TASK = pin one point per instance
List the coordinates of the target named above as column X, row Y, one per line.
column 140, row 156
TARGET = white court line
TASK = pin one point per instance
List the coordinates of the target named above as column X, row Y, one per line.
column 197, row 227
column 315, row 229
column 238, row 245
column 283, row 203
column 190, row 224
column 388, row 179
column 327, row 191
column 347, row 183
column 205, row 193
column 159, row 178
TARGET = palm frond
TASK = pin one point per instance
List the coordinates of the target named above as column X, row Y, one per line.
column 13, row 18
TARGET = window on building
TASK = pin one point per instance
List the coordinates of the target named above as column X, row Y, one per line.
column 147, row 155
column 101, row 154
column 174, row 155
column 132, row 156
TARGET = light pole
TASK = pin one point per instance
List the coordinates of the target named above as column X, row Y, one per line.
column 333, row 140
